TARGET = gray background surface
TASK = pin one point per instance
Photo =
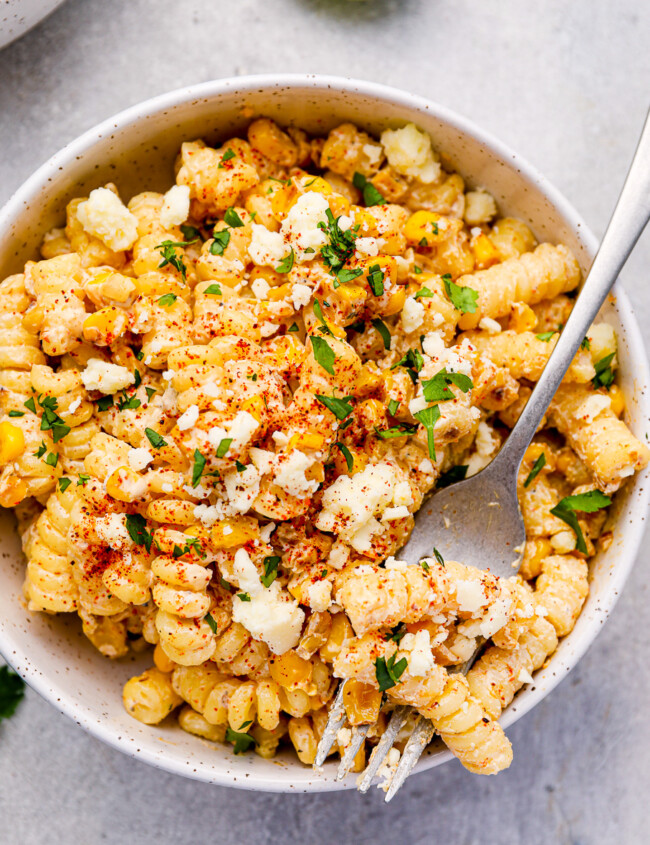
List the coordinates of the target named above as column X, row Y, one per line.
column 567, row 85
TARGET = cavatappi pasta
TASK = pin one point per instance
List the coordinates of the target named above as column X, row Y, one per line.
column 222, row 405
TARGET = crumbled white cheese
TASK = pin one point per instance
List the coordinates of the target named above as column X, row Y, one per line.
column 373, row 153
column 290, row 474
column 300, row 226
column 563, row 542
column 409, row 152
column 470, row 596
column 111, row 529
column 300, row 295
column 339, row 555
column 368, row 246
column 319, row 595
column 345, row 222
column 425, row 466
column 402, row 494
column 350, row 504
column 266, row 531
column 417, row 404
column 489, row 325
column 176, row 206
column 242, row 488
column 592, row 406
column 271, row 615
column 103, row 215
column 240, row 429
column 261, row 288
column 602, row 341
column 208, row 514
column 74, row 406
column 412, row 315
column 417, row 648
column 524, row 677
column 391, row 514
column 344, row 737
column 486, row 443
column 139, row 458
column 433, row 345
column 105, row 377
column 496, row 617
column 393, row 563
column 268, row 328
column 388, row 768
column 189, row 418
column 266, row 247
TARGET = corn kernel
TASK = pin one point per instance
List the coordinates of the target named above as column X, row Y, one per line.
column 235, row 532
column 361, row 702
column 104, row 326
column 12, row 442
column 340, row 634
column 365, row 221
column 485, row 253
column 255, row 406
column 13, row 491
column 339, row 205
column 275, row 294
column 425, row 224
column 269, row 275
column 359, row 461
column 290, row 671
column 307, row 440
column 282, row 199
column 369, row 379
column 395, row 302
column 161, row 661
column 125, row 485
column 318, row 185
column 617, row 399
column 522, row 318
column 352, row 294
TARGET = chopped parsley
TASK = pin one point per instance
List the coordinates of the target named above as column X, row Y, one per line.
column 424, row 565
column 371, row 195
column 128, row 403
column 51, row 421
column 225, row 157
column 413, row 361
column 197, row 469
column 242, row 742
column 286, row 265
column 243, row 597
column 293, row 328
column 137, row 377
column 376, row 279
column 396, row 634
column 51, row 459
column 224, row 445
column 29, row 404
column 104, row 403
column 437, row 389
column 42, row 449
column 155, row 439
column 166, row 299
column 64, row 483
column 83, row 479
column 396, row 431
column 349, row 460
column 318, row 311
column 604, row 373
column 12, row 690
column 588, row 502
column 393, row 405
column 422, row 293
column 457, row 473
column 586, row 343
column 537, row 466
column 167, row 249
column 220, row 242
column 271, row 563
column 323, row 353
column 438, row 556
column 210, row 620
column 16, row 413
column 429, row 417
column 341, row 408
column 232, row 218
column 347, row 275
column 340, row 246
column 463, row 299
column 388, row 672
column 150, row 391
column 136, row 525
column 190, row 233
column 213, row 290
column 545, row 336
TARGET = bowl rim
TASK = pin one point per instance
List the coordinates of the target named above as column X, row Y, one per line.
column 29, row 191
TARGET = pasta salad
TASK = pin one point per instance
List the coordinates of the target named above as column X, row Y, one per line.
column 222, row 406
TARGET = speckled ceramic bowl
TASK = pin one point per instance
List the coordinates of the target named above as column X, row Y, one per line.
column 18, row 16
column 136, row 149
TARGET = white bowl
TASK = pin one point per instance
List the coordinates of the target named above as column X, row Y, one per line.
column 136, row 149
column 19, row 16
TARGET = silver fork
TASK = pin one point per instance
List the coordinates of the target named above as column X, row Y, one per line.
column 478, row 521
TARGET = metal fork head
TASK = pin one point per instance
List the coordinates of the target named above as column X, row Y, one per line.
column 478, row 522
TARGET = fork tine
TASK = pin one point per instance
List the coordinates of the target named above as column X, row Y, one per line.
column 359, row 733
column 383, row 746
column 417, row 742
column 335, row 722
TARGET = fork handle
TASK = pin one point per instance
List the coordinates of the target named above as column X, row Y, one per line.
column 625, row 226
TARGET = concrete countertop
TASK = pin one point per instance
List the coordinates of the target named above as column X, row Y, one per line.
column 565, row 84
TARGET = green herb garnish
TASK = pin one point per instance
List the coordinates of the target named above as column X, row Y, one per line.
column 588, row 502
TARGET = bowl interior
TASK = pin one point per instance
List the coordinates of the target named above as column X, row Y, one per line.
column 136, row 150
